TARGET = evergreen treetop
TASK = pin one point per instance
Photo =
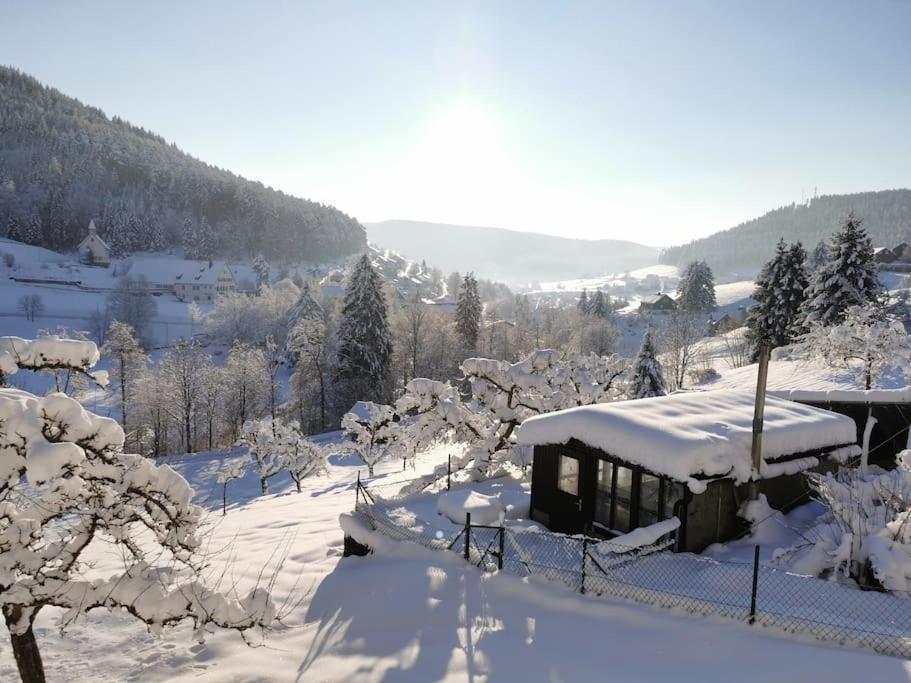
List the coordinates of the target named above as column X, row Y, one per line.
column 648, row 378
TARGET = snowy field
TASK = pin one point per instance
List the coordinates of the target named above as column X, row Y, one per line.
column 410, row 614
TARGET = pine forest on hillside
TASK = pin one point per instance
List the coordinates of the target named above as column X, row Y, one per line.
column 63, row 163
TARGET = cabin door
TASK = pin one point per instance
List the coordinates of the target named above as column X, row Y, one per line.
column 569, row 513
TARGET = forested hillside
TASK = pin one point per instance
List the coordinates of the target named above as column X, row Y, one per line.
column 63, row 163
column 744, row 248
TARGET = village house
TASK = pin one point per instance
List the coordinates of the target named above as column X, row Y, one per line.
column 189, row 281
column 658, row 303
column 607, row 469
column 92, row 250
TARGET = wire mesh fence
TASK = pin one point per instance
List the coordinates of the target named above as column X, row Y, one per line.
column 652, row 574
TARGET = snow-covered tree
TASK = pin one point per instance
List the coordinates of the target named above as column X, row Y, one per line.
column 245, row 390
column 468, row 312
column 131, row 302
column 263, row 271
column 369, row 426
column 266, row 450
column 303, row 457
column 696, row 291
column 583, row 304
column 847, row 279
column 820, row 255
column 866, row 341
column 309, row 347
column 364, row 338
column 679, row 337
column 231, row 470
column 240, row 318
column 180, row 370
column 128, row 361
column 66, row 486
column 599, row 306
column 779, row 295
column 648, row 378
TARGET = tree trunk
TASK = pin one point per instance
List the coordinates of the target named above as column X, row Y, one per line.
column 25, row 649
column 322, row 398
column 264, row 485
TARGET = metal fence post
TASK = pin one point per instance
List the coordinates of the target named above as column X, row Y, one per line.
column 467, row 535
column 584, row 557
column 502, row 546
column 448, row 472
column 755, row 584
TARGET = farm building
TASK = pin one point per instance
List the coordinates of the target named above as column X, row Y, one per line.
column 840, row 390
column 608, row 469
column 189, row 281
column 658, row 302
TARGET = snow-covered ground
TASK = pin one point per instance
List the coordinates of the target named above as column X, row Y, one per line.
column 407, row 613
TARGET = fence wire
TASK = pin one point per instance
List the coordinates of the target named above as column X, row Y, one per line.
column 750, row 592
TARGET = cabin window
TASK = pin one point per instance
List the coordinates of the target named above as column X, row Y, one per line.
column 568, row 475
column 603, row 491
column 649, row 499
column 623, row 498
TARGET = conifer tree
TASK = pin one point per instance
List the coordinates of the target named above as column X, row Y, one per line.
column 696, row 291
column 582, row 305
column 848, row 278
column 364, row 338
column 648, row 378
column 468, row 312
column 599, row 307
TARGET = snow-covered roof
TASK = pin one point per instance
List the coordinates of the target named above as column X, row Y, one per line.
column 694, row 436
column 93, row 236
column 166, row 271
column 805, row 380
column 655, row 298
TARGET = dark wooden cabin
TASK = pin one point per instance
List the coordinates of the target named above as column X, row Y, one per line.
column 581, row 487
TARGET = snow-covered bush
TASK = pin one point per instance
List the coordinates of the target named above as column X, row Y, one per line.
column 867, row 522
column 65, row 484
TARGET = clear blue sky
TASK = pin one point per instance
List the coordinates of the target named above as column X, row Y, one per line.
column 653, row 121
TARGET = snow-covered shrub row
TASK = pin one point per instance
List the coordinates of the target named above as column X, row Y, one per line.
column 49, row 353
column 65, row 483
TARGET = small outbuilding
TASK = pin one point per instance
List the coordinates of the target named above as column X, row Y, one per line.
column 610, row 468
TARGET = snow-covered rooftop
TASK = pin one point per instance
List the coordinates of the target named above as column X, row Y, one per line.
column 696, row 435
column 806, row 380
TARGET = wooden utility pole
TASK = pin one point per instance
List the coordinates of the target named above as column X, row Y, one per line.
column 758, row 413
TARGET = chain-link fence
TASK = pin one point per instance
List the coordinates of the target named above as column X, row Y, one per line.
column 650, row 574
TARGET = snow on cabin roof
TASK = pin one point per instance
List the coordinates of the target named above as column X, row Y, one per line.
column 169, row 272
column 805, row 380
column 693, row 436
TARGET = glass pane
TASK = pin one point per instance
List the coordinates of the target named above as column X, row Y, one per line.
column 648, row 499
column 623, row 496
column 568, row 475
column 603, row 493
column 674, row 492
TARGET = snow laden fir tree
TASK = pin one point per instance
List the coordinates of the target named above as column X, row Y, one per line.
column 648, row 378
column 847, row 279
column 779, row 295
column 65, row 486
column 364, row 338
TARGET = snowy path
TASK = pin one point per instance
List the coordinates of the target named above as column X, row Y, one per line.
column 420, row 616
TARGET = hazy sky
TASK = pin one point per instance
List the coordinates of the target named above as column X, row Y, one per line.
column 651, row 121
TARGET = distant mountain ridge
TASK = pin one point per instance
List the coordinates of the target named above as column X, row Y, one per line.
column 744, row 248
column 63, row 163
column 508, row 255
